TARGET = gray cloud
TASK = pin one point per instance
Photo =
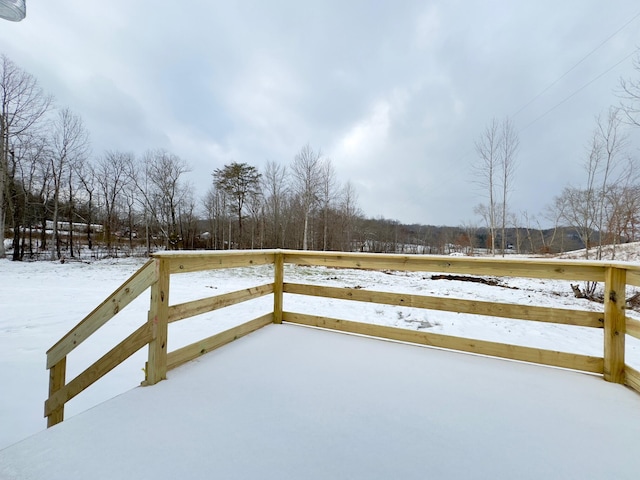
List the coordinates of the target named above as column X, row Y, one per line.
column 395, row 93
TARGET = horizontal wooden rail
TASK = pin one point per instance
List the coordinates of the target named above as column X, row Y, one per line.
column 502, row 267
column 114, row 303
column 199, row 348
column 100, row 368
column 633, row 327
column 581, row 318
column 209, row 304
column 633, row 276
column 183, row 262
column 514, row 352
column 632, row 378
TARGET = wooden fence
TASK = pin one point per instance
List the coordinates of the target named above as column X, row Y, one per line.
column 156, row 273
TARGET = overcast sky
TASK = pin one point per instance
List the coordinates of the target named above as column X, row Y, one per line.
column 395, row 93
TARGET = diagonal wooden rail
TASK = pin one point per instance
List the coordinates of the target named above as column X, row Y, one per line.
column 155, row 276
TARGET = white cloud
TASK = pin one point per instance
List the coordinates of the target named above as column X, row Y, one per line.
column 367, row 135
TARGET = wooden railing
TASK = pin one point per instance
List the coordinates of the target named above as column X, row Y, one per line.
column 155, row 275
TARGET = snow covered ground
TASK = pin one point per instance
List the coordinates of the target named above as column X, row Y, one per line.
column 289, row 402
column 41, row 301
column 625, row 252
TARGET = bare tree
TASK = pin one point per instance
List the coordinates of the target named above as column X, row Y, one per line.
column 488, row 148
column 130, row 200
column 509, row 143
column 306, row 172
column 112, row 177
column 187, row 220
column 350, row 213
column 44, row 196
column 497, row 148
column 590, row 209
column 275, row 187
column 22, row 105
column 555, row 213
column 255, row 205
column 630, row 94
column 69, row 147
column 622, row 208
column 87, row 178
column 25, row 166
column 515, row 221
column 328, row 194
column 215, row 207
column 470, row 230
column 165, row 172
column 138, row 176
column 604, row 169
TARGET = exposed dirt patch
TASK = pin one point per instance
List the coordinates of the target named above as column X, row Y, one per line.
column 464, row 278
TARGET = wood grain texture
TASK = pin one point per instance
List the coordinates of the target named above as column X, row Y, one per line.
column 633, row 276
column 581, row 318
column 114, row 303
column 614, row 324
column 101, row 367
column 195, row 350
column 633, row 327
column 213, row 260
column 57, row 375
column 278, row 287
column 209, row 304
column 632, row 378
column 158, row 321
column 514, row 352
column 501, row 267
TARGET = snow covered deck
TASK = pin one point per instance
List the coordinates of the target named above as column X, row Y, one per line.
column 289, row 402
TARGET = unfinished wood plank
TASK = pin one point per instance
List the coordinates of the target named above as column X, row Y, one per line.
column 581, row 318
column 195, row 350
column 187, row 262
column 614, row 324
column 210, row 254
column 57, row 375
column 114, row 303
column 278, row 285
column 633, row 276
column 114, row 357
column 204, row 305
column 633, row 327
column 528, row 268
column 632, row 378
column 514, row 352
column 159, row 320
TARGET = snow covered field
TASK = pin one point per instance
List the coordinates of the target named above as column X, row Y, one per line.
column 41, row 301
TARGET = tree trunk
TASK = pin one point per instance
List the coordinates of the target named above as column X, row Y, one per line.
column 305, row 245
column 16, row 242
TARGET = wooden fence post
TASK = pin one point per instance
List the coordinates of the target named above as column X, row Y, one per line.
column 614, row 324
column 278, row 281
column 57, row 378
column 158, row 316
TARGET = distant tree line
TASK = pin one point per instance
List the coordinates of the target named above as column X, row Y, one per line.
column 301, row 205
column 59, row 200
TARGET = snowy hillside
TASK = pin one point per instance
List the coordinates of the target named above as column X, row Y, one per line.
column 626, row 252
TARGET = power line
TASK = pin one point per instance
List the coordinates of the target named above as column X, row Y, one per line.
column 579, row 90
column 576, row 65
